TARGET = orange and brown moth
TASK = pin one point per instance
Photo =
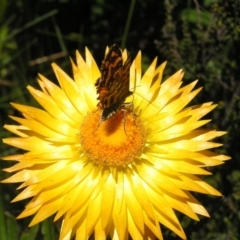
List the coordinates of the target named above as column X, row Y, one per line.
column 113, row 85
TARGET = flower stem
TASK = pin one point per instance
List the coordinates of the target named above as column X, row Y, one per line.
column 129, row 18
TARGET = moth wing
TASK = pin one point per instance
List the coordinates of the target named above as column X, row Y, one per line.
column 110, row 65
column 119, row 90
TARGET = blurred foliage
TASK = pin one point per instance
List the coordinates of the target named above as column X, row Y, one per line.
column 202, row 37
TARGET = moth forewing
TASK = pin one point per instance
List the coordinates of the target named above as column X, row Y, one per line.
column 113, row 85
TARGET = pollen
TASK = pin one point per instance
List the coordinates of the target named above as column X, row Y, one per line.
column 114, row 142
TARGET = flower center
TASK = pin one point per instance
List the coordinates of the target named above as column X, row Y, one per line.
column 114, row 142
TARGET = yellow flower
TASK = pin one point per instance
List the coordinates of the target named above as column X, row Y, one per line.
column 126, row 175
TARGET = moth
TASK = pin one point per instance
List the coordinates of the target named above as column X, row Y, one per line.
column 113, row 85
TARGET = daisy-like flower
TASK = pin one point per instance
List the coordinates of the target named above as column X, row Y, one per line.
column 124, row 176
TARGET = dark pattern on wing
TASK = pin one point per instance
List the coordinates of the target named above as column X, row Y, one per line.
column 113, row 85
column 110, row 65
column 120, row 87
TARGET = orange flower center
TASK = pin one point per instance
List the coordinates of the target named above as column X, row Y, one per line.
column 114, row 142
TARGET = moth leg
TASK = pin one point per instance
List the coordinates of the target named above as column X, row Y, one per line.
column 100, row 120
column 126, row 107
column 129, row 106
column 125, row 111
column 94, row 111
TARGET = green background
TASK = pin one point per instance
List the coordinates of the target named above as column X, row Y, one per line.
column 202, row 37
